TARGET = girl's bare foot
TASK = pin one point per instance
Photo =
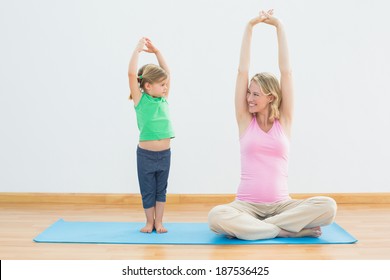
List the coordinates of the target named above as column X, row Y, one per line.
column 149, row 213
column 148, row 228
column 160, row 228
column 306, row 232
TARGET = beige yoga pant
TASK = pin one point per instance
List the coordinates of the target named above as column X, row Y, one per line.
column 251, row 221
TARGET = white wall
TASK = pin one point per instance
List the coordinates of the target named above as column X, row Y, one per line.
column 66, row 124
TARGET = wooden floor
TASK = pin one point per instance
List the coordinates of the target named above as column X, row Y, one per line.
column 20, row 223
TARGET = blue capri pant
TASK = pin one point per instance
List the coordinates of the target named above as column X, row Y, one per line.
column 153, row 171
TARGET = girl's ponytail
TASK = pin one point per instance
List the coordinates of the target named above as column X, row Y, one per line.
column 140, row 78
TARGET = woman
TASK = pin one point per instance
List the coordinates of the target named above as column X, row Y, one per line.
column 264, row 111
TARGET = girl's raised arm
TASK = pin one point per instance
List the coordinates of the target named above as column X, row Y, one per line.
column 161, row 60
column 135, row 92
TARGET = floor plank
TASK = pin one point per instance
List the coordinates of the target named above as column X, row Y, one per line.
column 20, row 223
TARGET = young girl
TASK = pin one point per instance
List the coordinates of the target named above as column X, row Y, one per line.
column 149, row 89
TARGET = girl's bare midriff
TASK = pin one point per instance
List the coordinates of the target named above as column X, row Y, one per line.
column 156, row 145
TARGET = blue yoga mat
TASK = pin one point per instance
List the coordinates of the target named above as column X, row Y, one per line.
column 178, row 233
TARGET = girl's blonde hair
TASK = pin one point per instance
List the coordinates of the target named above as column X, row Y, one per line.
column 269, row 84
column 150, row 73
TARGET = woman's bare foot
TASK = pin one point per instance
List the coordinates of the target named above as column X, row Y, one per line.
column 160, row 228
column 148, row 228
column 306, row 232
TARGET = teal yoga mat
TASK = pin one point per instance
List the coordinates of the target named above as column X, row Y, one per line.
column 178, row 233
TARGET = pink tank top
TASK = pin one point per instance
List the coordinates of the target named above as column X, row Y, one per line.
column 264, row 164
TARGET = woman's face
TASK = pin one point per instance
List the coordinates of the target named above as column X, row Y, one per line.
column 257, row 100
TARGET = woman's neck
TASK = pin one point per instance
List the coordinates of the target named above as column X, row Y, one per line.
column 263, row 119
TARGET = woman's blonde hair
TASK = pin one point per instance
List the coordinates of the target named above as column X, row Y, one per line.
column 150, row 73
column 269, row 84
